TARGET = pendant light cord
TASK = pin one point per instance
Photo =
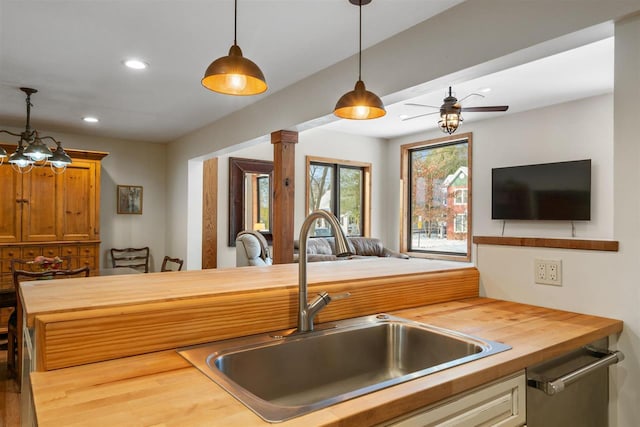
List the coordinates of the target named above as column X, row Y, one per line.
column 235, row 22
column 360, row 46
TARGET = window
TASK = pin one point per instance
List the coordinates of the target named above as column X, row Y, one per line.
column 460, row 223
column 460, row 197
column 436, row 213
column 341, row 187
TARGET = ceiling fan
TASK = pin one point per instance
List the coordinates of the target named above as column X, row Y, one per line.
column 451, row 109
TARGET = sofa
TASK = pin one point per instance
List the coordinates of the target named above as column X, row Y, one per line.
column 322, row 249
column 252, row 249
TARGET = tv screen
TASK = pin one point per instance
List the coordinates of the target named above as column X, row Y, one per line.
column 549, row 191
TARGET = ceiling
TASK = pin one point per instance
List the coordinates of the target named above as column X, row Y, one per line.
column 74, row 49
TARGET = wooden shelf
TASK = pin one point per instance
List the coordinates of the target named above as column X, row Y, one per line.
column 543, row 242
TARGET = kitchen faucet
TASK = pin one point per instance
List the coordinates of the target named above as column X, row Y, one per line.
column 306, row 310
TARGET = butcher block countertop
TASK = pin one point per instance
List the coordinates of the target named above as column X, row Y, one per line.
column 163, row 389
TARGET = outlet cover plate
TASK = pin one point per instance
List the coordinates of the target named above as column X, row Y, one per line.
column 548, row 271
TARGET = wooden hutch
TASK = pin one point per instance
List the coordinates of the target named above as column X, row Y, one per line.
column 43, row 213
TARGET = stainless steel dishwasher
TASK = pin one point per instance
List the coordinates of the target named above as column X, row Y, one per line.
column 571, row 390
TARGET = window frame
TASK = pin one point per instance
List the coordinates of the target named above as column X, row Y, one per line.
column 366, row 186
column 405, row 180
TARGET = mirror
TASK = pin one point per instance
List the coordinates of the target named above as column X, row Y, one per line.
column 250, row 189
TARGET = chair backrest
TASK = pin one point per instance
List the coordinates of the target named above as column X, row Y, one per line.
column 171, row 264
column 20, row 276
column 41, row 264
column 137, row 258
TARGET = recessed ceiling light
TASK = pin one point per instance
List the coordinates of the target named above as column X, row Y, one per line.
column 90, row 119
column 136, row 64
column 403, row 116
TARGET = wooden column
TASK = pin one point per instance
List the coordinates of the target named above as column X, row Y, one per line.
column 210, row 213
column 284, row 156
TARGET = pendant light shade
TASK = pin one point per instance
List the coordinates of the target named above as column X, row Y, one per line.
column 359, row 104
column 234, row 74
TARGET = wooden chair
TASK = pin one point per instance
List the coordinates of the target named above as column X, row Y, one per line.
column 171, row 264
column 137, row 258
column 15, row 324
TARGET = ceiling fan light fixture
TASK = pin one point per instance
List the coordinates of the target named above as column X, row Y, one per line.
column 234, row 74
column 359, row 104
column 449, row 122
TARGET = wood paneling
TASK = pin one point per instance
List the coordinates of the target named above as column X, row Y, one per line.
column 210, row 213
column 69, row 336
column 540, row 242
column 163, row 389
column 10, row 199
column 284, row 153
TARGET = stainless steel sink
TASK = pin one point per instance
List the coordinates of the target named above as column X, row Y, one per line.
column 281, row 376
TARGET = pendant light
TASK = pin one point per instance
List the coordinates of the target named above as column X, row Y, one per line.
column 234, row 74
column 359, row 104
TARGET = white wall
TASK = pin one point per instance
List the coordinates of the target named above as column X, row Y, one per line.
column 314, row 142
column 128, row 163
column 599, row 283
column 496, row 34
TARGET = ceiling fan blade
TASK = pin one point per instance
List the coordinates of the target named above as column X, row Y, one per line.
column 471, row 94
column 486, row 109
column 419, row 115
column 421, row 105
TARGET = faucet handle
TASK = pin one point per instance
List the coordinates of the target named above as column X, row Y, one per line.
column 336, row 297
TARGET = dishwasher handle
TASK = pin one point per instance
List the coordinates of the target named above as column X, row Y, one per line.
column 555, row 386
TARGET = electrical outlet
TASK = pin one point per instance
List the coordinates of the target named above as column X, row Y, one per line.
column 554, row 272
column 548, row 271
column 540, row 271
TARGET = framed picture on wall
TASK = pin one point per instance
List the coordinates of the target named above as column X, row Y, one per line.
column 130, row 199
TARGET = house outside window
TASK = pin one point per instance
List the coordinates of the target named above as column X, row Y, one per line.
column 436, row 217
column 460, row 197
column 340, row 187
column 460, row 223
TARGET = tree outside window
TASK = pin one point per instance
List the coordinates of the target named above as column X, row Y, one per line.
column 338, row 188
column 437, row 184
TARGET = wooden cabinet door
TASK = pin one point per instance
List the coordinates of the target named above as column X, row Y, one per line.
column 39, row 209
column 77, row 202
column 10, row 204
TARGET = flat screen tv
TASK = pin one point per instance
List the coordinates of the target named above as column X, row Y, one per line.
column 550, row 191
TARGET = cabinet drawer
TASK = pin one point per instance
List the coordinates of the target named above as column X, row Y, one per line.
column 10, row 252
column 500, row 403
column 30, row 252
column 86, row 250
column 51, row 251
column 69, row 250
column 88, row 261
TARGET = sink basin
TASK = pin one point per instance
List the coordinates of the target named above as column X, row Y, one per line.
column 281, row 376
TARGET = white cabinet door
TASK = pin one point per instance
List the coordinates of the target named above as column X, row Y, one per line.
column 501, row 403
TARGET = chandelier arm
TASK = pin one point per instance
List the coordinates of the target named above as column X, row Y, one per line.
column 49, row 137
column 10, row 133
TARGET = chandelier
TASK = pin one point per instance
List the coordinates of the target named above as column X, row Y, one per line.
column 31, row 150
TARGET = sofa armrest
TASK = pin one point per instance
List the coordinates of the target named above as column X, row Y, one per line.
column 393, row 254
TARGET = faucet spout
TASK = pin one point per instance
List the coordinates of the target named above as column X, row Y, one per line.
column 306, row 310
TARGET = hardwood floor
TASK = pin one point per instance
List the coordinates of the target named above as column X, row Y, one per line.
column 9, row 396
